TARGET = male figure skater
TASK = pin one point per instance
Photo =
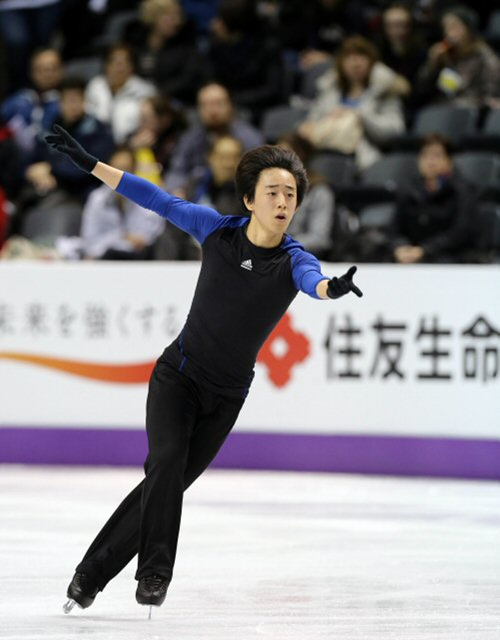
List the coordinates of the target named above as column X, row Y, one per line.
column 250, row 273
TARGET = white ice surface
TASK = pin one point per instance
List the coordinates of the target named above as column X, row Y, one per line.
column 262, row 555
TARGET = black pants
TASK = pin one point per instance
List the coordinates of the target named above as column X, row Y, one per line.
column 186, row 426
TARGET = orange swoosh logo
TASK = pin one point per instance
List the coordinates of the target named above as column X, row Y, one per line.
column 120, row 373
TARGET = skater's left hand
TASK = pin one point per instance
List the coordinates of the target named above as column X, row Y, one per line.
column 338, row 287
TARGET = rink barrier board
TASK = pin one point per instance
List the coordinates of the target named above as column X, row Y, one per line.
column 363, row 454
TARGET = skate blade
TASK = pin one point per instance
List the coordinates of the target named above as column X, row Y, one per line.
column 150, row 613
column 68, row 607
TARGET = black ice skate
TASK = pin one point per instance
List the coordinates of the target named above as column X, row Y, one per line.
column 151, row 591
column 81, row 591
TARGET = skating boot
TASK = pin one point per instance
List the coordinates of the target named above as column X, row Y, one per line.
column 151, row 591
column 82, row 591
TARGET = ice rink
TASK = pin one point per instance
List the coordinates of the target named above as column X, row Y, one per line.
column 262, row 555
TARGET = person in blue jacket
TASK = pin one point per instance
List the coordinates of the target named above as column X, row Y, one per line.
column 250, row 273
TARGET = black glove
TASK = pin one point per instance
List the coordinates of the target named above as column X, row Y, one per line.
column 63, row 142
column 338, row 287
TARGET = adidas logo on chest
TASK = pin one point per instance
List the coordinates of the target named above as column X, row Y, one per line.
column 247, row 264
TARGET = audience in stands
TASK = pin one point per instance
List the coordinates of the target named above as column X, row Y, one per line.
column 248, row 64
column 48, row 170
column 51, row 182
column 359, row 106
column 25, row 27
column 217, row 117
column 187, row 85
column 159, row 130
column 312, row 224
column 461, row 69
column 31, row 111
column 115, row 96
column 434, row 213
column 167, row 52
column 401, row 46
column 114, row 228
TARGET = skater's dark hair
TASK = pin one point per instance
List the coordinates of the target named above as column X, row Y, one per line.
column 268, row 156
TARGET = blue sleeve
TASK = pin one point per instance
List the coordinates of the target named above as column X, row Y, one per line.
column 197, row 220
column 306, row 272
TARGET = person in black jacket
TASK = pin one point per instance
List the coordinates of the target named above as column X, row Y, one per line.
column 434, row 211
column 166, row 48
column 249, row 65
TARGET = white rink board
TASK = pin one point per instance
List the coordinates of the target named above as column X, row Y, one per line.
column 412, row 322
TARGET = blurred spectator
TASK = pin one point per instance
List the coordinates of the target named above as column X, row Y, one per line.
column 249, row 65
column 216, row 118
column 160, row 127
column 401, row 47
column 115, row 97
column 10, row 163
column 31, row 111
column 434, row 211
column 51, row 170
column 358, row 108
column 216, row 188
column 167, row 53
column 115, row 228
column 24, row 27
column 201, row 11
column 312, row 224
column 327, row 23
column 462, row 69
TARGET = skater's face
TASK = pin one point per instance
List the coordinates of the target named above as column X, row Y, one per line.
column 275, row 200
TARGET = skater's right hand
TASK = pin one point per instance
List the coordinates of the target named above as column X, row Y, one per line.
column 63, row 142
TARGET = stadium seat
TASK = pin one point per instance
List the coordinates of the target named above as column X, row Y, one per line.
column 488, row 138
column 53, row 217
column 338, row 169
column 455, row 123
column 379, row 182
column 492, row 33
column 280, row 120
column 309, row 78
column 85, row 68
column 452, row 122
column 390, row 171
column 377, row 216
column 482, row 169
column 486, row 233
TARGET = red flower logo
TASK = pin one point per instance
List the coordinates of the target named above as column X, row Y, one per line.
column 284, row 348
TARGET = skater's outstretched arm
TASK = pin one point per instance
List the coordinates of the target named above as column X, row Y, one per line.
column 197, row 220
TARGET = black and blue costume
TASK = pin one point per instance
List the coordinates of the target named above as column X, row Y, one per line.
column 201, row 380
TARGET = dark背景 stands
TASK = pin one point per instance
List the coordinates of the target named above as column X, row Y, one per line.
column 248, row 64
column 166, row 49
